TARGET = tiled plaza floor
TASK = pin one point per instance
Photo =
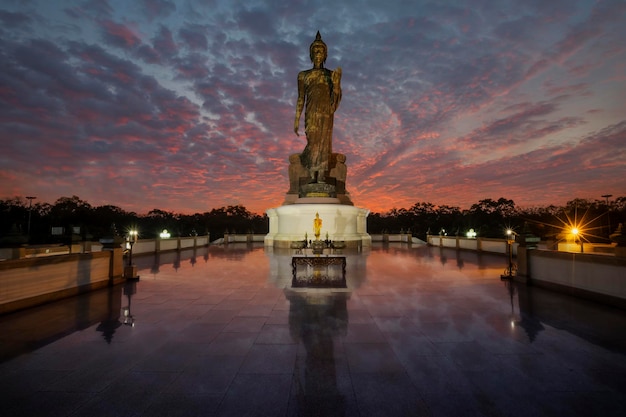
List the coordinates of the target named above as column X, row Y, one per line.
column 418, row 332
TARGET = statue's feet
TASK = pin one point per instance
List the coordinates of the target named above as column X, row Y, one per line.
column 317, row 177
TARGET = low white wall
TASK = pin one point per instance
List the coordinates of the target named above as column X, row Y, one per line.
column 470, row 244
column 448, row 242
column 599, row 274
column 478, row 244
column 144, row 246
column 493, row 245
column 37, row 278
column 392, row 237
column 151, row 245
column 168, row 244
column 139, row 247
column 187, row 242
column 243, row 238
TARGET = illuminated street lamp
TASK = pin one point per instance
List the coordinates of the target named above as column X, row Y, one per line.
column 575, row 232
column 510, row 238
column 131, row 239
column 164, row 234
column 471, row 234
column 130, row 272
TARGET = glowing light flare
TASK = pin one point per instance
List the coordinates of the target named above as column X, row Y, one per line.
column 510, row 234
column 577, row 228
column 132, row 234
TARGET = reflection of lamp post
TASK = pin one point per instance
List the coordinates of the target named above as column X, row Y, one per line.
column 30, row 210
column 130, row 289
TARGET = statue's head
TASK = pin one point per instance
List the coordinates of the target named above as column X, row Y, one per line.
column 318, row 43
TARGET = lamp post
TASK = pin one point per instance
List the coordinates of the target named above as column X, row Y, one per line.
column 130, row 272
column 510, row 238
column 30, row 210
column 131, row 240
column 608, row 215
column 576, row 232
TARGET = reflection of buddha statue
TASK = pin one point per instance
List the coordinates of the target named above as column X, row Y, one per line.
column 317, row 226
column 316, row 322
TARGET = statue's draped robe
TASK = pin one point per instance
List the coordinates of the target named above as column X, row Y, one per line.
column 321, row 103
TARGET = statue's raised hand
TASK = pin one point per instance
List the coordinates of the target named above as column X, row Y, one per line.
column 336, row 77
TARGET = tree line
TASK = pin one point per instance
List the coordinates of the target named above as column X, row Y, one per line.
column 491, row 218
column 71, row 218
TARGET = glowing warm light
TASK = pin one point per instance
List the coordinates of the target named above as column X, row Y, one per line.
column 131, row 238
column 510, row 235
column 471, row 234
column 165, row 234
column 575, row 231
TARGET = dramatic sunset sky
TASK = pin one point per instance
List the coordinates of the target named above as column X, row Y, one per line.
column 188, row 105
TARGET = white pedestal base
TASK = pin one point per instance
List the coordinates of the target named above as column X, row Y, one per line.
column 345, row 223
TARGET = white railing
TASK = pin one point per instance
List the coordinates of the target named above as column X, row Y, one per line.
column 481, row 244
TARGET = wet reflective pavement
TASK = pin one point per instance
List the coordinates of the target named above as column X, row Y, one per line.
column 220, row 332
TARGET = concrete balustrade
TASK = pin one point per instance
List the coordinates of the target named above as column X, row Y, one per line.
column 140, row 247
column 166, row 244
column 41, row 275
column 243, row 238
column 480, row 244
column 598, row 273
column 593, row 276
column 32, row 281
column 145, row 246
